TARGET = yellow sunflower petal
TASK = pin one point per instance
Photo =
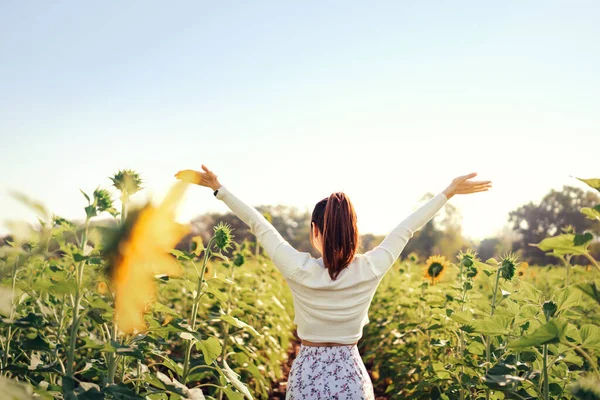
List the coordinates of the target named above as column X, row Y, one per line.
column 145, row 254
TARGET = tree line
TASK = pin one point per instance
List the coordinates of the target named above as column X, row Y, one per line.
column 530, row 223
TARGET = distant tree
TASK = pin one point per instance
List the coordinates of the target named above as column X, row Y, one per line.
column 369, row 241
column 442, row 235
column 488, row 248
column 498, row 245
column 290, row 222
column 559, row 208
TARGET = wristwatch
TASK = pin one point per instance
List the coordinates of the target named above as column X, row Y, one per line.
column 215, row 192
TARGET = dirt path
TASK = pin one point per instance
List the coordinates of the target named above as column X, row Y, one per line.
column 279, row 388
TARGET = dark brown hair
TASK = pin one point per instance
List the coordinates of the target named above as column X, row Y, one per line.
column 336, row 220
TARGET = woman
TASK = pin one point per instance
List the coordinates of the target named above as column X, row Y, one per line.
column 332, row 294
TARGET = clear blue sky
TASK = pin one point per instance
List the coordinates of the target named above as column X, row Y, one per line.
column 290, row 101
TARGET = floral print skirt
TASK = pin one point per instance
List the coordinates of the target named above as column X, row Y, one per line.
column 329, row 372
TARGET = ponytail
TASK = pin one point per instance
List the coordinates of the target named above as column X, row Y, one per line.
column 340, row 234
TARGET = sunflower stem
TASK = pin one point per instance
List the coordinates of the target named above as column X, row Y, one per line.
column 461, row 343
column 488, row 341
column 545, row 372
column 495, row 293
column 226, row 326
column 138, row 377
column 195, row 307
column 68, row 383
column 124, row 203
column 12, row 315
column 112, row 356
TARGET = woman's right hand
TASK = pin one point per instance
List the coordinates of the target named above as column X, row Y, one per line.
column 463, row 185
column 205, row 178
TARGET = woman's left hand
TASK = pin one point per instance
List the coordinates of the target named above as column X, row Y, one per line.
column 464, row 185
column 203, row 178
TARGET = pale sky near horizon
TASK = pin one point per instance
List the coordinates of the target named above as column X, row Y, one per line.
column 290, row 101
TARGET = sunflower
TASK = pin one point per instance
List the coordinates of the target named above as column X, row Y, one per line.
column 414, row 257
column 435, row 267
column 141, row 252
column 522, row 269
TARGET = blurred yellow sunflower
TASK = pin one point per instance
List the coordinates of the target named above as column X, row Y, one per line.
column 435, row 267
column 522, row 269
column 414, row 257
column 143, row 252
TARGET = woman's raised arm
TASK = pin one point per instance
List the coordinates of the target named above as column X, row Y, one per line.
column 385, row 254
column 287, row 259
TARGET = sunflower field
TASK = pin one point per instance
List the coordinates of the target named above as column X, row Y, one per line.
column 109, row 309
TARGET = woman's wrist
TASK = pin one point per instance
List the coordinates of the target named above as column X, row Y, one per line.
column 448, row 193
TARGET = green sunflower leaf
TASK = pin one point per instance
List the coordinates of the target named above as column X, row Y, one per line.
column 551, row 332
column 593, row 183
column 591, row 213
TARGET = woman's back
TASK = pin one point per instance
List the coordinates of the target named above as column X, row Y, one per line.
column 329, row 310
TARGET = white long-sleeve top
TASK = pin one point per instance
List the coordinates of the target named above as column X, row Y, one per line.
column 329, row 310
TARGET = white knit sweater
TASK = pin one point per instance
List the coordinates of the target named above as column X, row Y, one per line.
column 329, row 310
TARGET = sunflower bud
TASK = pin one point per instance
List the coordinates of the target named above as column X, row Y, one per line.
column 223, row 236
column 467, row 261
column 128, row 182
column 103, row 201
column 238, row 260
column 414, row 257
column 508, row 268
column 60, row 221
column 549, row 308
